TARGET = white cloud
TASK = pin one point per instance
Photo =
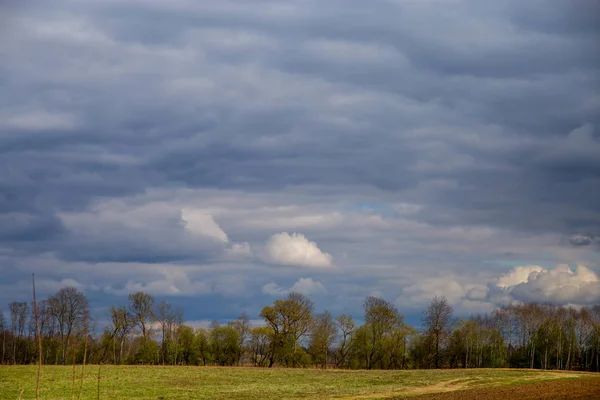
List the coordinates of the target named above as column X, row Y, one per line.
column 517, row 276
column 203, row 224
column 305, row 286
column 560, row 285
column 295, row 249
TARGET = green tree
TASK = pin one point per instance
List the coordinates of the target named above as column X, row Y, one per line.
column 261, row 345
column 291, row 320
column 381, row 320
column 225, row 345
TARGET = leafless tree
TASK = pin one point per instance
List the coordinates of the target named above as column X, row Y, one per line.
column 68, row 307
column 346, row 326
column 18, row 319
column 436, row 322
column 243, row 328
column 3, row 329
column 141, row 308
column 323, row 335
column 121, row 326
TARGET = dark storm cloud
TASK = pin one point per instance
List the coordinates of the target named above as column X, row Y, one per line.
column 484, row 114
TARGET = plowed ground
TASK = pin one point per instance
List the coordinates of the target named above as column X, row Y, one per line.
column 585, row 388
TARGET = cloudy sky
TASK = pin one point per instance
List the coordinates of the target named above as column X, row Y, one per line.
column 219, row 154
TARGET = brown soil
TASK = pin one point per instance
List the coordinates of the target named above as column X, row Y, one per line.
column 584, row 388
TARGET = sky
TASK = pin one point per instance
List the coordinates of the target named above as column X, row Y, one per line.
column 219, row 154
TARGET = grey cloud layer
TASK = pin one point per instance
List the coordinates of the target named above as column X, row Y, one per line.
column 481, row 116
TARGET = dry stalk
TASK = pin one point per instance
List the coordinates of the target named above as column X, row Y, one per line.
column 99, row 374
column 84, row 356
column 73, row 378
column 39, row 337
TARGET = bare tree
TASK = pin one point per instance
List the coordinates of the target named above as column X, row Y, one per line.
column 121, row 325
column 68, row 307
column 3, row 329
column 243, row 328
column 168, row 318
column 346, row 326
column 436, row 322
column 324, row 334
column 164, row 316
column 142, row 312
column 18, row 318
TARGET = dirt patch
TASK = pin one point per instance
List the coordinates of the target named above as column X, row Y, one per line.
column 454, row 384
column 584, row 388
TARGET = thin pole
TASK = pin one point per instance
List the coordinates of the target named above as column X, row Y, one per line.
column 39, row 336
column 85, row 349
column 73, row 378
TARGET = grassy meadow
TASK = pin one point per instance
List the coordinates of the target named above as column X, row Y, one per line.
column 155, row 382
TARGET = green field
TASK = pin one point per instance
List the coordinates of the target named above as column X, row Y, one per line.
column 126, row 382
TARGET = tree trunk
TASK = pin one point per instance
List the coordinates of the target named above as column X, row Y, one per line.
column 121, row 350
column 437, row 351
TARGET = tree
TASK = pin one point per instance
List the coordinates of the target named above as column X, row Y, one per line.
column 346, row 327
column 224, row 344
column 188, row 350
column 168, row 318
column 141, row 308
column 323, row 335
column 3, row 330
column 436, row 322
column 290, row 320
column 381, row 319
column 202, row 344
column 18, row 318
column 243, row 328
column 121, row 326
column 68, row 307
column 261, row 345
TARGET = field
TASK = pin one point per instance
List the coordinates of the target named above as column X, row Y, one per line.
column 139, row 382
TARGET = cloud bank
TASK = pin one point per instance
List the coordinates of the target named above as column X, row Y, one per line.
column 560, row 285
column 420, row 147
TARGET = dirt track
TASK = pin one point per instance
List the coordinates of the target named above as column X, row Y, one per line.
column 585, row 388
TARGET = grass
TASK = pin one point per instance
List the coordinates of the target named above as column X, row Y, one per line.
column 155, row 382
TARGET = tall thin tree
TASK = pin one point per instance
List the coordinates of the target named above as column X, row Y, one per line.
column 436, row 321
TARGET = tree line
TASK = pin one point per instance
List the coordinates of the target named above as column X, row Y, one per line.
column 147, row 331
